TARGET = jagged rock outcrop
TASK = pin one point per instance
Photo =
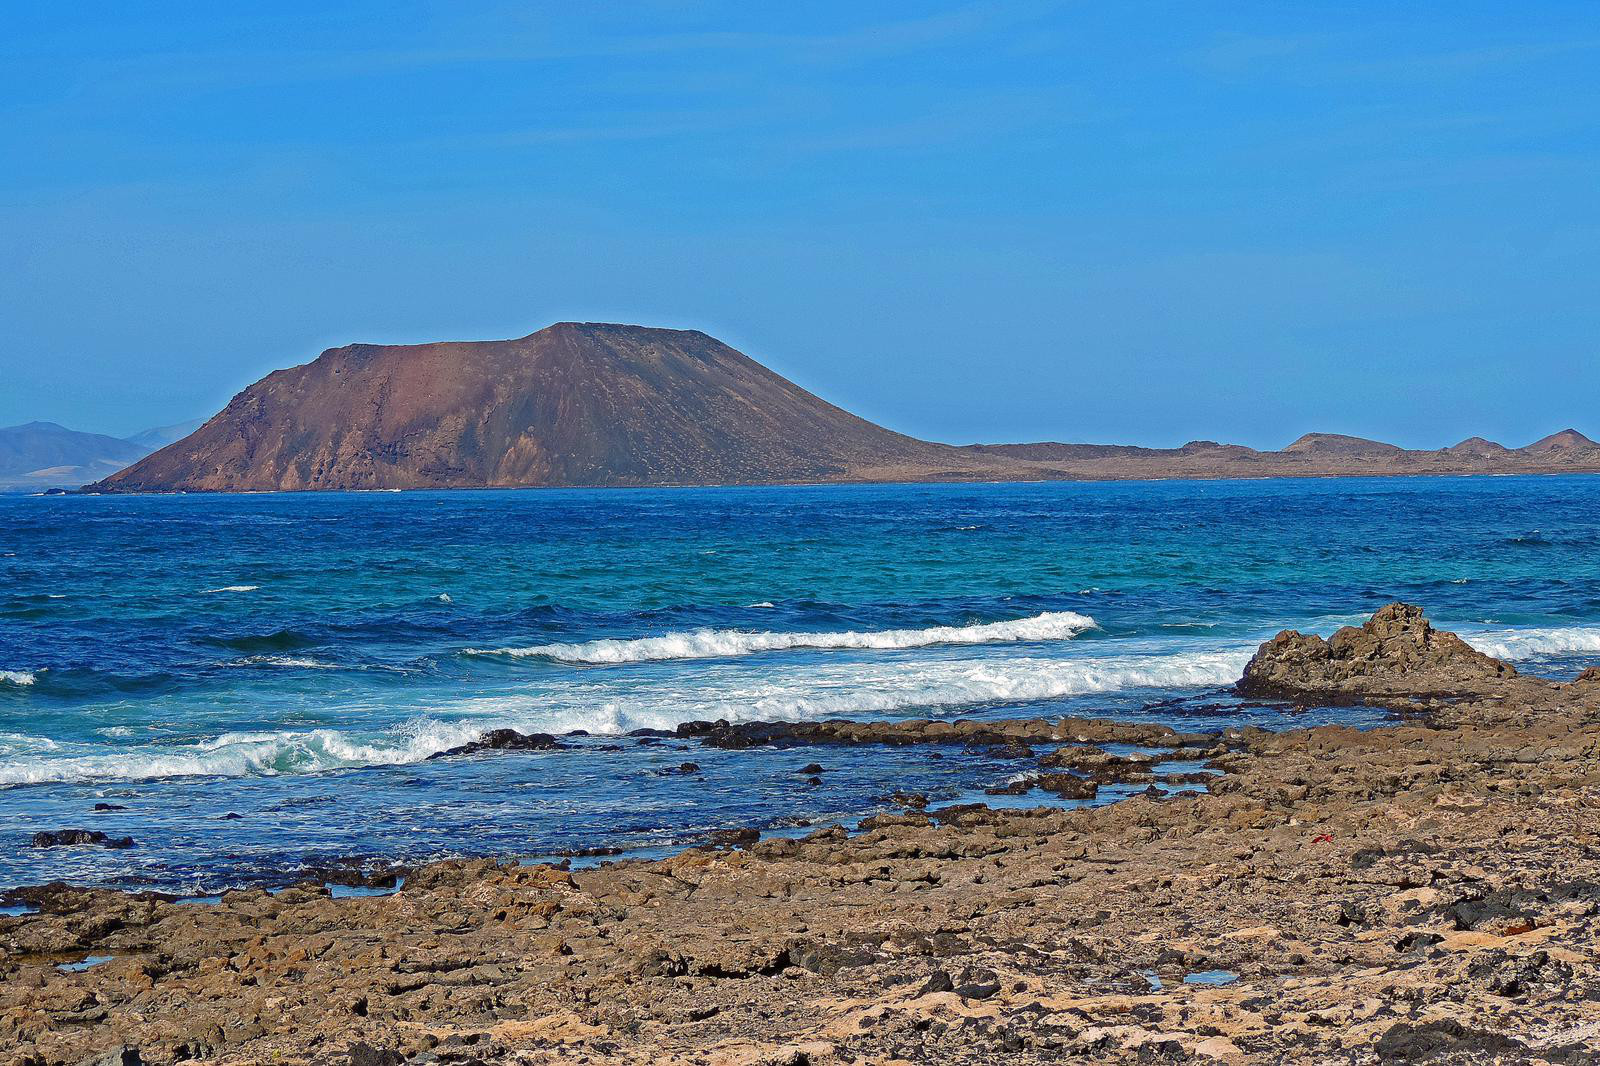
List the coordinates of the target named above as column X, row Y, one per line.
column 1396, row 650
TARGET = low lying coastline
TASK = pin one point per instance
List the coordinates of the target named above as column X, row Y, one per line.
column 1425, row 890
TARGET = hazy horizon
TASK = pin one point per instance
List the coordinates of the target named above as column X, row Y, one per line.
column 987, row 222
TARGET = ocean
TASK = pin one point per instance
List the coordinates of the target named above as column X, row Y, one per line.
column 254, row 684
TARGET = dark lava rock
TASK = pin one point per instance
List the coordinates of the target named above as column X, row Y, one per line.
column 586, row 853
column 504, row 740
column 367, row 1055
column 735, row 838
column 351, row 871
column 1004, row 751
column 938, row 981
column 811, row 768
column 1421, row 1041
column 69, row 838
column 682, row 769
column 976, row 982
column 1067, row 786
column 1010, row 788
column 109, row 807
column 122, row 1056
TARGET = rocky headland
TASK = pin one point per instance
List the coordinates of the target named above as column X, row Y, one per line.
column 1428, row 891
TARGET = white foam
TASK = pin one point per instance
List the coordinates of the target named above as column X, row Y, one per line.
column 615, row 703
column 290, row 661
column 729, row 643
column 18, row 677
column 444, row 597
column 230, row 588
column 764, row 604
column 1530, row 642
column 248, row 754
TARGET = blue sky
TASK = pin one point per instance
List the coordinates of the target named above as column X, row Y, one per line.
column 1140, row 222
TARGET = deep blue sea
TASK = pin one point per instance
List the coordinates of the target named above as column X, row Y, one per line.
column 293, row 659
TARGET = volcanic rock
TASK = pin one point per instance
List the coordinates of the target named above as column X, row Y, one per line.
column 68, row 838
column 503, row 740
column 1395, row 650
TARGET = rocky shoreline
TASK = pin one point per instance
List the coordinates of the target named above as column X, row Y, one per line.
column 1422, row 892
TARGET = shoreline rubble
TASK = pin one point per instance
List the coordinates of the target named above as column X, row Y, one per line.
column 1422, row 891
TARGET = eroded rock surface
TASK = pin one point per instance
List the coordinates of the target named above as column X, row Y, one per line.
column 1395, row 652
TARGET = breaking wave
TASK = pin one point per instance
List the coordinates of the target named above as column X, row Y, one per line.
column 18, row 677
column 230, row 588
column 805, row 693
column 728, row 643
column 1533, row 642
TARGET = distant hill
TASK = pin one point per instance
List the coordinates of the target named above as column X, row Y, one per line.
column 43, row 455
column 161, row 436
column 594, row 404
column 573, row 404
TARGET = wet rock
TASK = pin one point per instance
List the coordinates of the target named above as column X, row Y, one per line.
column 811, row 769
column 503, row 740
column 72, row 838
column 735, row 838
column 1011, row 751
column 681, row 770
column 1067, row 786
column 916, row 801
column 103, row 807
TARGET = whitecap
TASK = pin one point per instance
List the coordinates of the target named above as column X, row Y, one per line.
column 444, row 597
column 230, row 588
column 727, row 643
column 1531, row 642
column 764, row 604
column 291, row 661
column 18, row 677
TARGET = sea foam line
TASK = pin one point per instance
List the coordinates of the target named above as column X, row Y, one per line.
column 1531, row 642
column 806, row 693
column 727, row 643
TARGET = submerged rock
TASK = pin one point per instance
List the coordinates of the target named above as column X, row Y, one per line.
column 71, row 838
column 504, row 740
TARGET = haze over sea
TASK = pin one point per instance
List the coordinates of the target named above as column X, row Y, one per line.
column 294, row 660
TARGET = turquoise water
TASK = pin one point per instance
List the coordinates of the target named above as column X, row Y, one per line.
column 295, row 659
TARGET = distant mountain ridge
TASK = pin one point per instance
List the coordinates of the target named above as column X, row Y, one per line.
column 47, row 455
column 600, row 404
